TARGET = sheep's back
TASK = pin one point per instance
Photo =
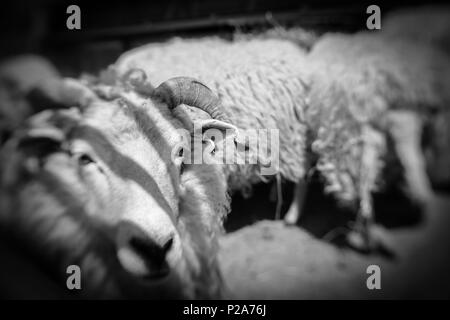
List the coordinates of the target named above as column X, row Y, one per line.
column 372, row 74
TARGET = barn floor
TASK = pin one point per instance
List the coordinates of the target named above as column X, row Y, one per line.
column 267, row 260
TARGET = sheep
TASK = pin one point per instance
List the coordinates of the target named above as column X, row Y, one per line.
column 261, row 84
column 364, row 87
column 328, row 106
column 106, row 185
column 429, row 26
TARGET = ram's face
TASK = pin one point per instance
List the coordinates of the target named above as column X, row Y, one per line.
column 117, row 162
column 126, row 163
column 115, row 177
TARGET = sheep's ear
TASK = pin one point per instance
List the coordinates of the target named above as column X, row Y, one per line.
column 229, row 133
column 216, row 124
column 216, row 131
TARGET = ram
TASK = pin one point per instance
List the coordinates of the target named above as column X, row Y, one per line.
column 364, row 88
column 106, row 185
column 261, row 83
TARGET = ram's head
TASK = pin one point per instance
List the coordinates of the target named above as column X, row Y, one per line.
column 108, row 186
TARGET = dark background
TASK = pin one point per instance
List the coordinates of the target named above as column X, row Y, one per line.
column 111, row 27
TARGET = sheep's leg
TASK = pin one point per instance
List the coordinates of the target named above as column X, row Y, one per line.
column 295, row 210
column 405, row 128
column 279, row 197
column 362, row 237
column 437, row 153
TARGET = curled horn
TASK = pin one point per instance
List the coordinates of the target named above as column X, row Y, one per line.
column 190, row 91
column 186, row 90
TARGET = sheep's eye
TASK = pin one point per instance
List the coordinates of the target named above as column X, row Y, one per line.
column 85, row 159
column 181, row 152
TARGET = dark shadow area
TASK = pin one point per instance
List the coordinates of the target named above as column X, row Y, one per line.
column 22, row 269
column 394, row 210
column 322, row 215
column 261, row 205
column 442, row 187
column 39, row 27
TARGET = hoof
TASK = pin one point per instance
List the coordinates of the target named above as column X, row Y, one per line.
column 291, row 217
column 289, row 221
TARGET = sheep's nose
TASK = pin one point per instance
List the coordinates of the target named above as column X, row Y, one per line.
column 143, row 256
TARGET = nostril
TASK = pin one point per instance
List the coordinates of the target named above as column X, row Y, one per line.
column 151, row 251
column 143, row 255
column 153, row 255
